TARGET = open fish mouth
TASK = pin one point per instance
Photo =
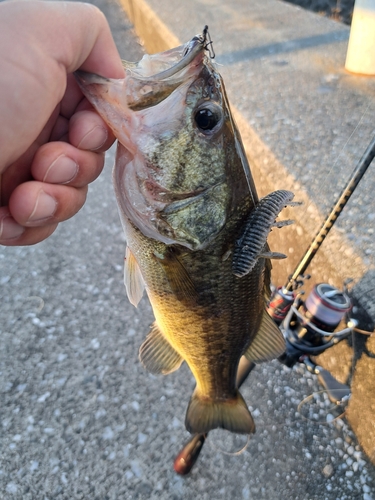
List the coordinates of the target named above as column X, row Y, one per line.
column 154, row 77
column 151, row 112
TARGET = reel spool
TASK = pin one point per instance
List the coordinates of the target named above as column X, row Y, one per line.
column 324, row 308
column 309, row 327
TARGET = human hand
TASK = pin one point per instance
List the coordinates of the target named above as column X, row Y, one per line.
column 52, row 142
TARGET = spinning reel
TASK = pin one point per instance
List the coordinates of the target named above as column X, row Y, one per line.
column 309, row 328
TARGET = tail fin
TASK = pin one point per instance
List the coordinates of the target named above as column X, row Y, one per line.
column 231, row 414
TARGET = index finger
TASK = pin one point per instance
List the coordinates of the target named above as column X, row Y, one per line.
column 40, row 42
column 75, row 35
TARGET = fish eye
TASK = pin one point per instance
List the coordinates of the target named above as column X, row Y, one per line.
column 207, row 119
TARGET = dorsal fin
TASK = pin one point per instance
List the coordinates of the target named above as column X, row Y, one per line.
column 133, row 279
column 268, row 343
column 157, row 355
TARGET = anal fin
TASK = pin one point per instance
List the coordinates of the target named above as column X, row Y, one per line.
column 268, row 343
column 157, row 355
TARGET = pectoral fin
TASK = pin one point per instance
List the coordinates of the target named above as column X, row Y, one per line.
column 133, row 280
column 157, row 355
column 268, row 343
column 179, row 280
column 197, row 220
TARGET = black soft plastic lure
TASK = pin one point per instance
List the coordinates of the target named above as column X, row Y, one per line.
column 252, row 245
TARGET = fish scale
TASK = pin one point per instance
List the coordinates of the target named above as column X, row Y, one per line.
column 223, row 316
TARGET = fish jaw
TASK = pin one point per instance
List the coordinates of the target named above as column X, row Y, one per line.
column 133, row 208
column 145, row 84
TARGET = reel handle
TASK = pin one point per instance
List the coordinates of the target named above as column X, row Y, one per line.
column 336, row 391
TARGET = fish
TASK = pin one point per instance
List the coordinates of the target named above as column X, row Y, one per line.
column 196, row 231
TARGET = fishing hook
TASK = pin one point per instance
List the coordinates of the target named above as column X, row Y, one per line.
column 208, row 44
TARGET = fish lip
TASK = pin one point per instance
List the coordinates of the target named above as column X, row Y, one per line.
column 184, row 199
column 194, row 47
column 191, row 49
column 177, row 201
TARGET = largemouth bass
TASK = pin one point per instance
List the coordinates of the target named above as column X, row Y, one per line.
column 195, row 230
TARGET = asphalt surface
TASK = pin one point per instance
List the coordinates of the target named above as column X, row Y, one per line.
column 81, row 419
column 340, row 10
column 305, row 122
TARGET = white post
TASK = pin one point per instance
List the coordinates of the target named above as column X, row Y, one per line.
column 360, row 57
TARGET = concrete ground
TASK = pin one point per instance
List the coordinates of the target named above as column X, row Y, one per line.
column 81, row 419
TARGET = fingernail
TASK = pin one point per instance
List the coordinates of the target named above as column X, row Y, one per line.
column 94, row 139
column 44, row 208
column 61, row 171
column 9, row 228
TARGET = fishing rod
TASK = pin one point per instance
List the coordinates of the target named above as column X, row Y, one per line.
column 336, row 210
column 283, row 298
column 308, row 327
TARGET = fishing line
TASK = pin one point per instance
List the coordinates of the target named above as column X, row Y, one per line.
column 311, row 396
column 364, row 332
column 41, row 301
column 229, row 453
column 333, row 166
column 353, row 358
column 364, row 294
column 349, row 139
column 240, row 151
column 367, row 292
column 208, row 45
